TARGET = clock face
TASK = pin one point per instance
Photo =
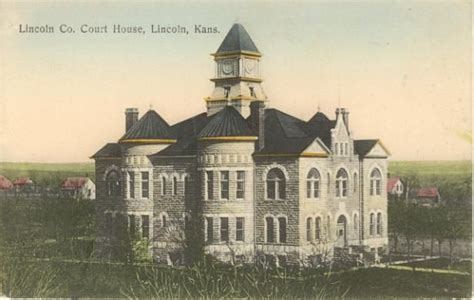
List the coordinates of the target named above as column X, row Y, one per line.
column 250, row 66
column 227, row 67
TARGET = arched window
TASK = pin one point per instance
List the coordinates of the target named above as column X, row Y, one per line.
column 355, row 182
column 276, row 185
column 372, row 224
column 113, row 183
column 375, row 182
column 163, row 185
column 309, row 229
column 356, row 222
column 328, row 227
column 329, row 183
column 379, row 223
column 269, row 230
column 341, row 183
column 317, row 228
column 282, row 230
column 312, row 184
column 175, row 185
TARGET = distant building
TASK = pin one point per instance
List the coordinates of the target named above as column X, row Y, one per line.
column 5, row 183
column 78, row 187
column 395, row 186
column 426, row 196
column 24, row 185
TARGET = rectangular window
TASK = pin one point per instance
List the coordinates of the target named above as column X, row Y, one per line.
column 163, row 185
column 186, row 185
column 131, row 225
column 337, row 149
column 224, row 229
column 271, row 190
column 240, row 229
column 209, row 185
column 226, row 91
column 240, row 184
column 145, row 184
column 145, row 226
column 131, row 185
column 108, row 222
column 308, row 229
column 175, row 185
column 346, row 148
column 318, row 228
column 282, row 229
column 210, row 230
column 371, row 224
column 269, row 224
column 344, row 188
column 316, row 189
column 252, row 91
column 224, row 184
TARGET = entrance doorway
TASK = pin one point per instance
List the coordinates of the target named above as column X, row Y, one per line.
column 341, row 231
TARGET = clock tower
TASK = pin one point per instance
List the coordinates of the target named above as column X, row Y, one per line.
column 237, row 80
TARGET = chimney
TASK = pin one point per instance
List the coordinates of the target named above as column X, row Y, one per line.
column 257, row 117
column 131, row 117
column 345, row 117
column 337, row 113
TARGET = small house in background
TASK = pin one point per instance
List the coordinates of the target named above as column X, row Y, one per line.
column 395, row 186
column 24, row 185
column 427, row 196
column 78, row 187
column 5, row 183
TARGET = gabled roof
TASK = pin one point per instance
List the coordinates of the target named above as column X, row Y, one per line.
column 237, row 40
column 5, row 183
column 108, row 150
column 150, row 128
column 427, row 192
column 74, row 182
column 22, row 181
column 225, row 124
column 391, row 181
column 362, row 147
column 320, row 126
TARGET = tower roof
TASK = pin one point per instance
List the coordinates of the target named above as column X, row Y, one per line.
column 151, row 128
column 237, row 40
column 227, row 123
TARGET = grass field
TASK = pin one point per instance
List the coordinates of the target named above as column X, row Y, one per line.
column 53, row 173
column 429, row 168
column 46, row 174
column 461, row 167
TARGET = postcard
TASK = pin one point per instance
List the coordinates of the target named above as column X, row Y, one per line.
column 256, row 149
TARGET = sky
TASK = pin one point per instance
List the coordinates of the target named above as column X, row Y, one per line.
column 402, row 69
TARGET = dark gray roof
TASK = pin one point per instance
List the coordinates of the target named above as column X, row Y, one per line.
column 320, row 126
column 150, row 126
column 237, row 39
column 227, row 122
column 108, row 150
column 186, row 132
column 362, row 147
column 283, row 133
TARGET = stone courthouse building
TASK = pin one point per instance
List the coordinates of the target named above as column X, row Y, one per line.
column 243, row 180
